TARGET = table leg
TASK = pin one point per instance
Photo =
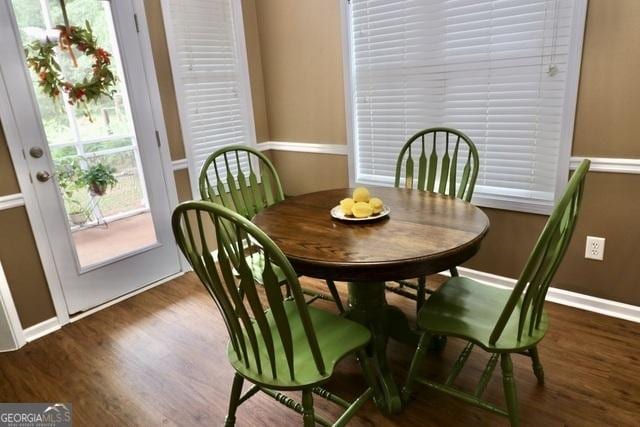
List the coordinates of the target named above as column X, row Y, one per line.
column 368, row 306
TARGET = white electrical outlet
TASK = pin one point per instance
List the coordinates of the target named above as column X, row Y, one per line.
column 595, row 248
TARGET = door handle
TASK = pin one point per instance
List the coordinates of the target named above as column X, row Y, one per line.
column 43, row 176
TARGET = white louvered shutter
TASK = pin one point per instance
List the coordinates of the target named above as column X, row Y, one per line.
column 496, row 70
column 210, row 81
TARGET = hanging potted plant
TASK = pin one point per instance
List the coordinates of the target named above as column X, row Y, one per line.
column 98, row 178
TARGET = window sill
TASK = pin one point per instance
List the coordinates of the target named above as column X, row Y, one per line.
column 531, row 206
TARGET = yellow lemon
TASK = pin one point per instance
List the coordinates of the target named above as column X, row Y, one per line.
column 362, row 210
column 376, row 205
column 346, row 205
column 361, row 194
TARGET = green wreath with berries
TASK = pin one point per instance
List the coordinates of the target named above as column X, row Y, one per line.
column 41, row 58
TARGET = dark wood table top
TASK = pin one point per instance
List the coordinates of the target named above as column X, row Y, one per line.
column 424, row 234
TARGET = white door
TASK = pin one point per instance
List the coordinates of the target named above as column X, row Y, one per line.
column 106, row 241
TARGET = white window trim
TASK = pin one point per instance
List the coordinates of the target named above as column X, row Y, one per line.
column 568, row 120
column 244, row 80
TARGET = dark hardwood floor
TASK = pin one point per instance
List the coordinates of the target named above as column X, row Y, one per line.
column 159, row 359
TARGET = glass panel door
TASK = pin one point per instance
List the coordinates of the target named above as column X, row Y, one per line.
column 98, row 179
column 92, row 140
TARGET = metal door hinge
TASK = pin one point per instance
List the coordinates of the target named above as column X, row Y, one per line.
column 158, row 138
column 135, row 19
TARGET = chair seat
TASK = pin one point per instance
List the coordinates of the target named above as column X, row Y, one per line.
column 467, row 309
column 337, row 337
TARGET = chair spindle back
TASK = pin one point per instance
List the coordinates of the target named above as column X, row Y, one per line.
column 239, row 303
column 535, row 279
column 444, row 171
column 223, row 181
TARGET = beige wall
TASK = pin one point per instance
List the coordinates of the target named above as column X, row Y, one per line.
column 605, row 212
column 18, row 253
column 299, row 39
column 607, row 117
column 300, row 43
column 305, row 173
column 8, row 182
column 254, row 58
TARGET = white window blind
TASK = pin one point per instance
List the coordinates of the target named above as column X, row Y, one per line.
column 206, row 46
column 500, row 71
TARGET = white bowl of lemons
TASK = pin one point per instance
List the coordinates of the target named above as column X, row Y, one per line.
column 360, row 207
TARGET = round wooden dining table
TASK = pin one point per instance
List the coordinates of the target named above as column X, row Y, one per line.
column 425, row 233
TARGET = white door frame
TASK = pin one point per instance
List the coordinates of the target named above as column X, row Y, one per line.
column 132, row 9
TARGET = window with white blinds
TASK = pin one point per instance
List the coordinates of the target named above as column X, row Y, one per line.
column 208, row 61
column 505, row 72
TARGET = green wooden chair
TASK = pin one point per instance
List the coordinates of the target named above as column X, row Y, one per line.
column 438, row 172
column 276, row 343
column 469, row 310
column 249, row 195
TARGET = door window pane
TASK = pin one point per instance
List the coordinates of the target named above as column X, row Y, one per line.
column 90, row 141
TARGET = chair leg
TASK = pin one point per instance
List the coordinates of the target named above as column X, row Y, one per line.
column 537, row 366
column 454, row 272
column 437, row 342
column 422, row 286
column 308, row 417
column 335, row 295
column 509, row 385
column 418, row 359
column 236, row 390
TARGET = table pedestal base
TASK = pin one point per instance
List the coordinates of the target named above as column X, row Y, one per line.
column 368, row 306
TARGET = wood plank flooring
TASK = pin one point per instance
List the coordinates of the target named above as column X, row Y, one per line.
column 159, row 359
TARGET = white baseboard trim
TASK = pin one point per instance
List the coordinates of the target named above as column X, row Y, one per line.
column 606, row 164
column 560, row 296
column 11, row 201
column 51, row 325
column 179, row 164
column 124, row 297
column 41, row 329
column 304, row 147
